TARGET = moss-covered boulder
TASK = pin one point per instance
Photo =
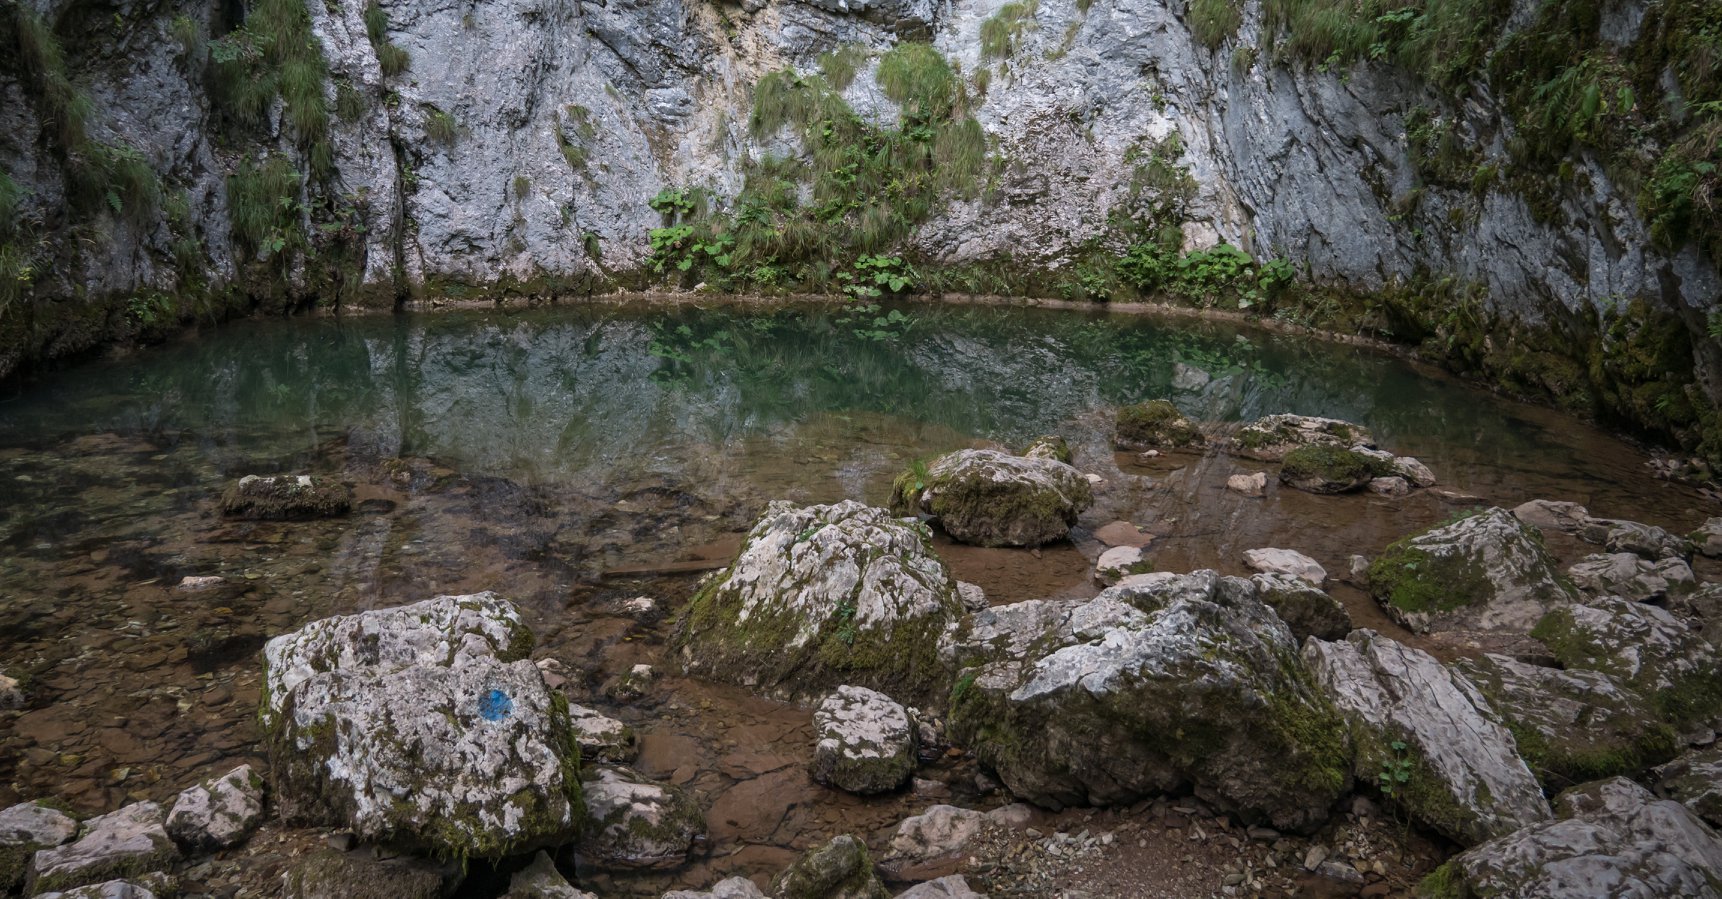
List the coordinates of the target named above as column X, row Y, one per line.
column 1484, row 572
column 1329, row 469
column 1427, row 738
column 1271, row 437
column 421, row 726
column 120, row 844
column 1609, row 838
column 285, row 498
column 1645, row 648
column 1572, row 726
column 25, row 828
column 839, row 869
column 1156, row 424
column 634, row 822
column 864, row 741
column 1307, row 610
column 989, row 498
column 1049, row 447
column 1156, row 684
column 1695, row 781
column 821, row 596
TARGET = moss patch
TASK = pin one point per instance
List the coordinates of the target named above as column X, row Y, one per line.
column 1156, row 423
column 1330, row 469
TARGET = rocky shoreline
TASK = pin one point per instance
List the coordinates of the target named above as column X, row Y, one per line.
column 1180, row 733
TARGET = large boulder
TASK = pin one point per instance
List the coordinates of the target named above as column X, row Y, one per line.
column 1484, row 572
column 118, row 844
column 1572, row 726
column 217, row 813
column 991, row 498
column 1158, row 683
column 1428, row 737
column 1630, row 576
column 1329, row 469
column 1270, row 438
column 1695, row 781
column 839, row 869
column 1610, row 838
column 1309, row 612
column 1156, row 424
column 1645, row 648
column 421, row 725
column 864, row 741
column 633, row 822
column 285, row 498
column 25, row 828
column 822, row 596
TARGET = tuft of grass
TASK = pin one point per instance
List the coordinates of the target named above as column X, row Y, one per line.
column 263, row 203
column 441, row 127
column 188, row 32
column 918, row 77
column 376, row 22
column 522, row 186
column 1214, row 22
column 349, row 102
column 1001, row 32
column 393, row 60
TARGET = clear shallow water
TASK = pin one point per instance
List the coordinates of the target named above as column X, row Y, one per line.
column 532, row 451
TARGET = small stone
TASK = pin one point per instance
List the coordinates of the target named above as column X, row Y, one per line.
column 217, row 813
column 285, row 497
column 131, row 839
column 1389, row 486
column 541, row 880
column 602, row 738
column 1286, row 561
column 864, row 741
column 1314, row 857
column 633, row 822
column 1120, row 562
column 1255, row 484
column 195, row 583
column 973, row 597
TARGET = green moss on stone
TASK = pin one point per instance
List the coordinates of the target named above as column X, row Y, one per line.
column 1330, row 469
column 1445, row 882
column 1156, row 423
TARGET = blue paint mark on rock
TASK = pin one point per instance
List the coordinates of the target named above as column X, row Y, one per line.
column 495, row 705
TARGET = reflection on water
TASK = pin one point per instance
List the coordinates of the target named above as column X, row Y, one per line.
column 531, row 451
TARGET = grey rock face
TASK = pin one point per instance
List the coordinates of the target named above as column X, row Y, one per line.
column 1076, row 702
column 821, row 596
column 1630, row 576
column 1308, row 612
column 633, row 822
column 1611, row 837
column 408, row 725
column 1486, row 572
column 541, row 880
column 1572, row 724
column 285, row 497
column 33, row 824
column 1270, row 438
column 1695, row 781
column 129, row 841
column 1551, row 515
column 1467, row 779
column 864, row 741
column 728, row 888
column 839, row 869
column 1643, row 540
column 951, row 886
column 989, row 498
column 218, row 813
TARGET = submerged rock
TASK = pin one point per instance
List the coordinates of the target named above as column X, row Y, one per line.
column 1253, row 484
column 1393, row 486
column 1121, row 562
column 1572, row 726
column 1449, row 759
column 634, row 822
column 285, row 498
column 541, row 880
column 1272, row 437
column 1630, row 576
column 1308, row 612
column 1643, row 647
column 1328, row 469
column 332, row 874
column 119, row 844
column 1160, row 682
column 1156, row 424
column 989, row 498
column 1611, row 838
column 1484, row 572
column 217, row 813
column 1695, row 781
column 864, row 741
column 420, row 725
column 821, row 596
column 840, row 869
